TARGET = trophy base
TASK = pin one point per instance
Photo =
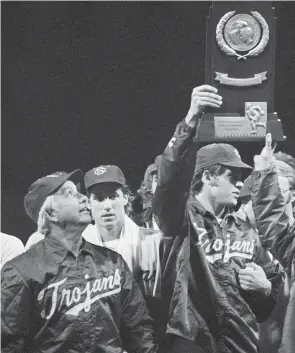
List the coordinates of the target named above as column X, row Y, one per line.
column 229, row 132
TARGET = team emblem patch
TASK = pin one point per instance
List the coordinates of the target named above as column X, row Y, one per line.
column 100, row 170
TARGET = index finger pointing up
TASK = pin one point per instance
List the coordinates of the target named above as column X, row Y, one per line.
column 268, row 141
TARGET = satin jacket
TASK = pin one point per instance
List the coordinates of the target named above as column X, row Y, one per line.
column 53, row 302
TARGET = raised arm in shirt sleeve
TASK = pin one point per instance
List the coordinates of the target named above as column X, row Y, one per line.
column 15, row 310
column 137, row 327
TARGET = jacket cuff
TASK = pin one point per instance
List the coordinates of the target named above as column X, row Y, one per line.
column 187, row 128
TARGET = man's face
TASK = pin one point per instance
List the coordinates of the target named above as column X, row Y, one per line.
column 108, row 204
column 71, row 207
column 226, row 188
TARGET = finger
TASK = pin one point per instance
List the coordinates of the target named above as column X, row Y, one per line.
column 244, row 286
column 206, row 88
column 244, row 283
column 253, row 265
column 268, row 141
column 207, row 94
column 209, row 104
column 205, row 100
column 274, row 147
column 246, row 276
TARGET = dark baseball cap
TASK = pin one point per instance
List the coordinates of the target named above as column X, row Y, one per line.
column 45, row 186
column 219, row 153
column 104, row 174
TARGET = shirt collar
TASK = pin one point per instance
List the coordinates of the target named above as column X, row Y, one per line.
column 59, row 251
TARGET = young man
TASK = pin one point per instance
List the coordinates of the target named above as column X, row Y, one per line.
column 65, row 294
column 215, row 274
column 140, row 248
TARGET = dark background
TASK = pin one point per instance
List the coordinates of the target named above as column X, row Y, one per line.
column 89, row 83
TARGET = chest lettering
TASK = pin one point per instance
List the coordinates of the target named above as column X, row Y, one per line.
column 77, row 299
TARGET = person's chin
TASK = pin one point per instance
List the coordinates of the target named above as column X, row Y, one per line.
column 109, row 223
column 86, row 220
column 231, row 203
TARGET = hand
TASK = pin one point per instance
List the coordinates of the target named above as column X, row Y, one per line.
column 202, row 96
column 253, row 278
column 266, row 158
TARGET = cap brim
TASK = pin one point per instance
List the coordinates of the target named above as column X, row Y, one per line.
column 76, row 177
column 236, row 164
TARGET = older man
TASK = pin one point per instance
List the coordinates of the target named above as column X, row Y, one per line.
column 65, row 294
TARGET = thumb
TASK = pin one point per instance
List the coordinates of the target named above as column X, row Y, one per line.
column 253, row 265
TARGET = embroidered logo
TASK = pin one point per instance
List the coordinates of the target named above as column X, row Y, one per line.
column 82, row 299
column 220, row 249
column 100, row 170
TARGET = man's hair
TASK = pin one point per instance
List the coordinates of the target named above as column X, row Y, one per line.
column 285, row 170
column 197, row 183
column 284, row 157
column 43, row 221
column 126, row 192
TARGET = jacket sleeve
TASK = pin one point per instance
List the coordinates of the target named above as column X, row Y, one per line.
column 15, row 310
column 174, row 177
column 137, row 327
column 272, row 222
column 263, row 305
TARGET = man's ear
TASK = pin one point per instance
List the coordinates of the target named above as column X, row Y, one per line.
column 207, row 178
column 125, row 200
column 52, row 215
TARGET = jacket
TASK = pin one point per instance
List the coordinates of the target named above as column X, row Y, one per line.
column 53, row 302
column 204, row 301
column 281, row 243
column 141, row 249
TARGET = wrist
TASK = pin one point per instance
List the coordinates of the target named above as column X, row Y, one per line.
column 192, row 118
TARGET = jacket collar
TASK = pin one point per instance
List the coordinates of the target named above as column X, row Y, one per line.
column 58, row 251
column 228, row 213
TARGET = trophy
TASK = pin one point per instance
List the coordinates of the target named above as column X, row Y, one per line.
column 240, row 63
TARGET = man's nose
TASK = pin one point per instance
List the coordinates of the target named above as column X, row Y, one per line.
column 239, row 185
column 82, row 198
column 107, row 204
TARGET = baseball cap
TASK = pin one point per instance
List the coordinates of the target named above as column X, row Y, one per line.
column 104, row 174
column 221, row 153
column 45, row 186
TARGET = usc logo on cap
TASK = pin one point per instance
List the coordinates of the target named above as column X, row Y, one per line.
column 100, row 170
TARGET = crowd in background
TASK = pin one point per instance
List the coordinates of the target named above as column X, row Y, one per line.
column 200, row 259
